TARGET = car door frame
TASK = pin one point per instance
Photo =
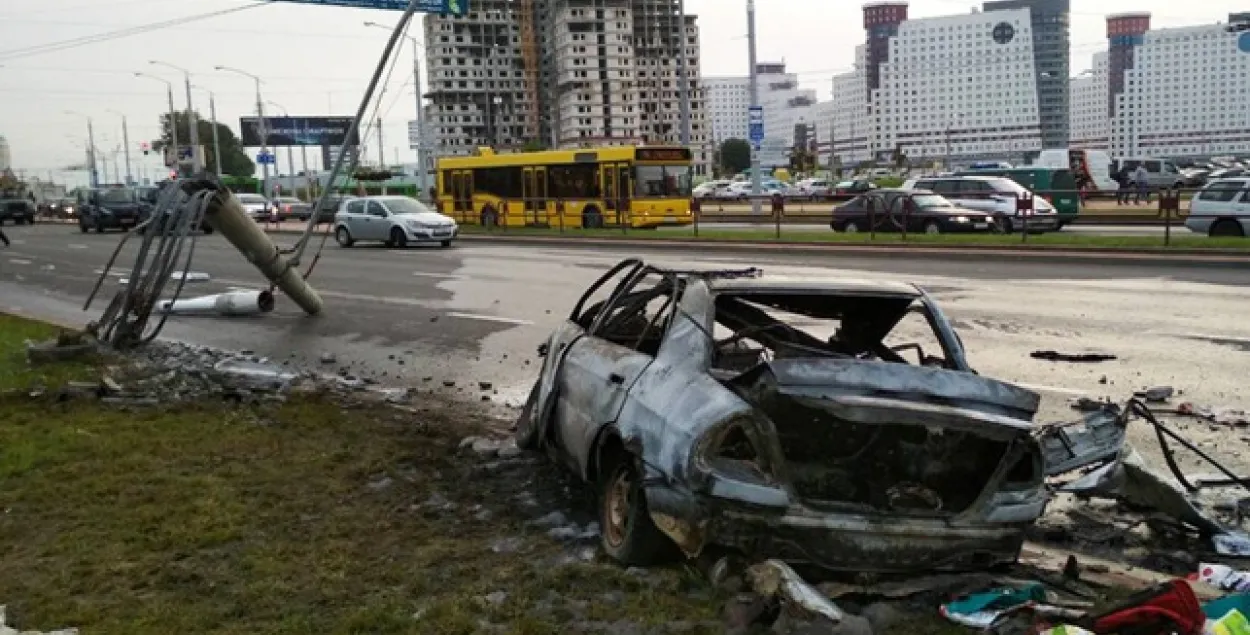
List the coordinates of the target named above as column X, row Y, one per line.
column 377, row 225
column 556, row 348
column 355, row 219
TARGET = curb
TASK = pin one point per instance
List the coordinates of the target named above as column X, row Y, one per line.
column 1179, row 257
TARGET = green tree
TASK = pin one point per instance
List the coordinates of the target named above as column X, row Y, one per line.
column 533, row 145
column 735, row 155
column 234, row 161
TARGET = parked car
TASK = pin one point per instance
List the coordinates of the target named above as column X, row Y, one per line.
column 1057, row 186
column 917, row 211
column 396, row 221
column 255, row 205
column 1222, row 208
column 17, row 209
column 815, row 189
column 1160, row 174
column 996, row 196
column 714, row 409
column 286, row 208
column 708, row 189
column 110, row 208
column 852, row 188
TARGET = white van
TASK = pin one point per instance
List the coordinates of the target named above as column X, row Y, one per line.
column 1096, row 164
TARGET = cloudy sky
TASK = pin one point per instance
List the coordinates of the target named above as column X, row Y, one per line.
column 317, row 60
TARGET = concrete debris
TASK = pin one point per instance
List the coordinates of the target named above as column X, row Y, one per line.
column 5, row 629
column 491, row 448
column 265, row 375
column 496, row 599
column 507, row 545
column 1222, row 416
column 68, row 346
column 329, row 358
column 1075, row 358
column 550, row 521
column 1157, row 394
column 776, row 580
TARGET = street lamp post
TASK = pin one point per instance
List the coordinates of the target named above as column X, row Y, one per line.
column 91, row 158
column 173, row 114
column 260, row 112
column 422, row 146
column 212, row 115
column 290, row 154
column 126, row 146
column 196, row 164
column 755, row 102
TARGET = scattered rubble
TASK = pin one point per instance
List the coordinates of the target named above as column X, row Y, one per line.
column 68, row 346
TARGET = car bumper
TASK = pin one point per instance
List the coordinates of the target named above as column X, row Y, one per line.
column 1199, row 225
column 431, row 236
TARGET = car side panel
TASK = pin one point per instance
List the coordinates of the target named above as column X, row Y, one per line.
column 594, row 384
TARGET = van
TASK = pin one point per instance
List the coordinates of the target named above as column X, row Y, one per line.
column 1095, row 164
column 1056, row 185
column 1160, row 174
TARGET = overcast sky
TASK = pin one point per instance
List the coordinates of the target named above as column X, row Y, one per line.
column 317, row 60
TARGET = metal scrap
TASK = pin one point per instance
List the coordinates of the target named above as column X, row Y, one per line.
column 775, row 579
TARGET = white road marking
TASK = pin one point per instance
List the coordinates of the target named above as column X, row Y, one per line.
column 19, row 261
column 490, row 318
column 1207, row 338
column 1052, row 389
column 77, row 246
column 441, row 276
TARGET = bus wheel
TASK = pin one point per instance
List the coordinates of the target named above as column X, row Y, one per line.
column 489, row 217
column 592, row 218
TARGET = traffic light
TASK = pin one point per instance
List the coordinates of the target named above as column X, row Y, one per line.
column 145, row 147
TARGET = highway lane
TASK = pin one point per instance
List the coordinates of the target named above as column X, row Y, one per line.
column 475, row 313
column 1088, row 230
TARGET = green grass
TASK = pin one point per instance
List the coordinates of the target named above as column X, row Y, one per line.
column 216, row 518
column 1181, row 239
column 16, row 374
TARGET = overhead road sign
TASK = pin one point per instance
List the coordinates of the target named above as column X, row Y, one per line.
column 297, row 131
column 446, row 7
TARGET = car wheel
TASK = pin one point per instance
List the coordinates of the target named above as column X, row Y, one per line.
column 99, row 226
column 399, row 239
column 446, row 243
column 1226, row 228
column 851, row 227
column 932, row 227
column 629, row 535
column 18, row 220
column 82, row 227
column 592, row 218
column 489, row 217
column 343, row 237
column 1008, row 226
column 208, row 231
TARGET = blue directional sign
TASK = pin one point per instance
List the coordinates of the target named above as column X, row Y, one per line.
column 1243, row 42
column 266, row 158
column 755, row 126
column 446, row 7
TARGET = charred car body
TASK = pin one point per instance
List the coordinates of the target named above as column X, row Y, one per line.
column 782, row 417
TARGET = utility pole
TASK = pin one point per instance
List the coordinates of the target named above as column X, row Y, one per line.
column 755, row 102
column 173, row 129
column 130, row 177
column 212, row 113
column 381, row 153
column 684, row 76
column 422, row 147
column 95, row 175
column 196, row 165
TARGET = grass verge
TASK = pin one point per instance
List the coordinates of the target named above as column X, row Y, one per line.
column 16, row 374
column 317, row 514
column 1055, row 240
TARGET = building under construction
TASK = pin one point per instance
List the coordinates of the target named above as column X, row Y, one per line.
column 563, row 73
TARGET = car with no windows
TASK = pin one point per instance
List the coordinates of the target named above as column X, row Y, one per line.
column 828, row 422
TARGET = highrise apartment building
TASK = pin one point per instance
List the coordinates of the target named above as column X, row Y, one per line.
column 564, row 73
column 1089, row 122
column 989, row 84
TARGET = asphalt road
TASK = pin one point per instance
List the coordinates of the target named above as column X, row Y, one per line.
column 474, row 314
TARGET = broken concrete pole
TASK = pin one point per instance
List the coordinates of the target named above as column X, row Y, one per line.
column 237, row 303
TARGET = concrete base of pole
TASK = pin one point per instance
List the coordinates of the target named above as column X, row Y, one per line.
column 228, row 217
column 229, row 304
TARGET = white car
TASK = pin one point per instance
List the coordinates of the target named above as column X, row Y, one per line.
column 397, row 221
column 709, row 189
column 1222, row 208
column 992, row 195
column 815, row 188
column 255, row 205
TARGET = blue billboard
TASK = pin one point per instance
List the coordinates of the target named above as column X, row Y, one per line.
column 297, row 131
column 448, row 7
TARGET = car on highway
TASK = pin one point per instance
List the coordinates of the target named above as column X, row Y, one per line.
column 996, row 196
column 815, row 189
column 915, row 211
column 255, row 205
column 397, row 221
column 833, row 422
column 108, row 208
column 850, row 189
column 286, row 208
column 17, row 209
column 1222, row 208
column 710, row 188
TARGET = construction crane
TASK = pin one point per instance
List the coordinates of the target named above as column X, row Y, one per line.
column 529, row 58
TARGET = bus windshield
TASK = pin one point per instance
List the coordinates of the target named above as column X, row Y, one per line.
column 663, row 181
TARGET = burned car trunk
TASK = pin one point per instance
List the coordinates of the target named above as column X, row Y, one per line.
column 782, row 418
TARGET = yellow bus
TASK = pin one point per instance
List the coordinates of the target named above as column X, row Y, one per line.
column 617, row 186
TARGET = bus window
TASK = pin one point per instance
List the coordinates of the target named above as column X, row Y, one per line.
column 540, row 189
column 576, row 181
column 655, row 181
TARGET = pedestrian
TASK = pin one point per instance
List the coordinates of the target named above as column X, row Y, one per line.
column 1142, row 179
column 1122, row 182
column 4, row 239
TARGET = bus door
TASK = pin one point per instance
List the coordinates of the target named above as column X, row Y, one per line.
column 540, row 196
column 528, row 196
column 457, row 194
column 609, row 187
column 625, row 183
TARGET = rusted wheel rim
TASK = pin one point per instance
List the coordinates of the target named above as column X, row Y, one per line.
column 617, row 501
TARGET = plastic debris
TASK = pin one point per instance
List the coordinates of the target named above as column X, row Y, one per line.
column 981, row 610
column 1232, row 623
column 1224, row 577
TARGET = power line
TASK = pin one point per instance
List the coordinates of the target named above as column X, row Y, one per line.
column 53, row 47
column 87, row 7
column 267, row 32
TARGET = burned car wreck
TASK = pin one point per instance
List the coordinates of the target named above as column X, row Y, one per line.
column 825, row 422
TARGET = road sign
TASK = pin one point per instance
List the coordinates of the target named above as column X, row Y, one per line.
column 755, row 125
column 266, row 158
column 447, row 7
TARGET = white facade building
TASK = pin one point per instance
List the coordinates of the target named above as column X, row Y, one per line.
column 6, row 156
column 1090, row 117
column 1186, row 94
column 785, row 106
column 728, row 99
column 852, row 123
column 960, row 86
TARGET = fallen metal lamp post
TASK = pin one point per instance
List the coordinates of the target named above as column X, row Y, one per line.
column 229, row 304
column 224, row 214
